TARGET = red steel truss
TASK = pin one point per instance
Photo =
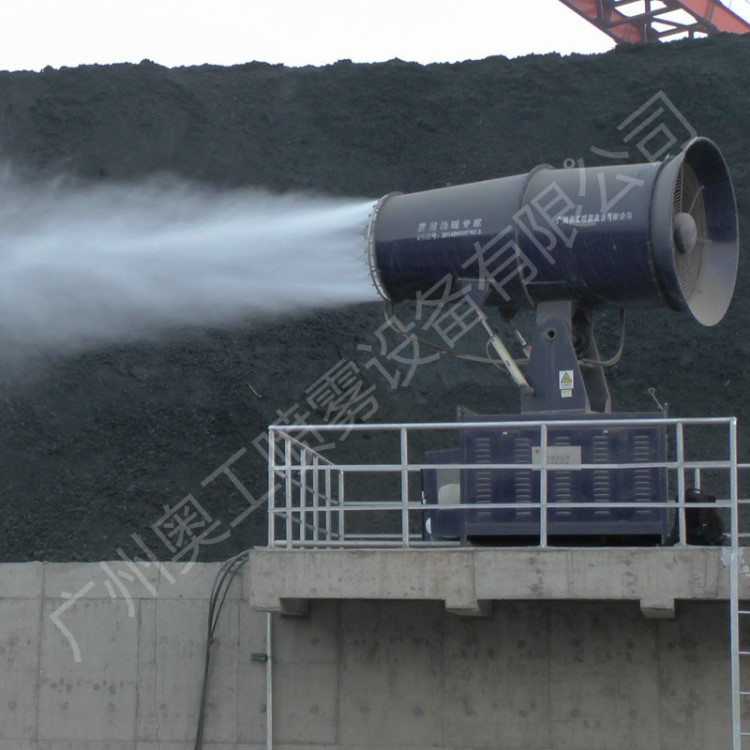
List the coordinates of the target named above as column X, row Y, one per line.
column 652, row 20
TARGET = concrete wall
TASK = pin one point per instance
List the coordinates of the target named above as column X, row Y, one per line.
column 533, row 675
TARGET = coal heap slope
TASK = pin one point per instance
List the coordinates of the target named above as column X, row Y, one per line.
column 96, row 449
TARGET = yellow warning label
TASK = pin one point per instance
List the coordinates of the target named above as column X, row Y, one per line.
column 566, row 379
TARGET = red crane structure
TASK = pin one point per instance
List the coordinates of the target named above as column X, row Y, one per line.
column 653, row 20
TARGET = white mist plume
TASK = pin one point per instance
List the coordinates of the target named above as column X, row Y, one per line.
column 84, row 264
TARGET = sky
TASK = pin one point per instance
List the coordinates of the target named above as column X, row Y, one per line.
column 39, row 33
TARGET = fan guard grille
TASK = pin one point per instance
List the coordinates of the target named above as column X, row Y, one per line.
column 688, row 198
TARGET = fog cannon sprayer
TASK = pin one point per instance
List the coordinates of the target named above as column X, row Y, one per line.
column 564, row 243
column 662, row 233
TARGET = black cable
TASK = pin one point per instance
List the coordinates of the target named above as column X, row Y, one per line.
column 219, row 591
column 618, row 354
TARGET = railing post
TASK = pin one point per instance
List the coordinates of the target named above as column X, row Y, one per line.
column 404, row 487
column 342, row 532
column 543, row 485
column 328, row 495
column 734, row 588
column 681, row 518
column 302, row 494
column 288, row 490
column 316, row 497
column 271, row 487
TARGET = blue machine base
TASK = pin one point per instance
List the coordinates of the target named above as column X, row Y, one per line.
column 462, row 493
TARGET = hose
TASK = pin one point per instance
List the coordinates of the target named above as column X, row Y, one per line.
column 222, row 583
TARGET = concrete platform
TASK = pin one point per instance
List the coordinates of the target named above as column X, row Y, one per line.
column 469, row 580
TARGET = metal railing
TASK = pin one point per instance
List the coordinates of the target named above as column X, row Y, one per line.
column 313, row 489
column 313, row 503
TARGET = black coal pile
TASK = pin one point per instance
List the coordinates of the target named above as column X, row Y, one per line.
column 103, row 450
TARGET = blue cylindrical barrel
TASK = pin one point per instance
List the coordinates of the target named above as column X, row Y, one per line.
column 662, row 233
